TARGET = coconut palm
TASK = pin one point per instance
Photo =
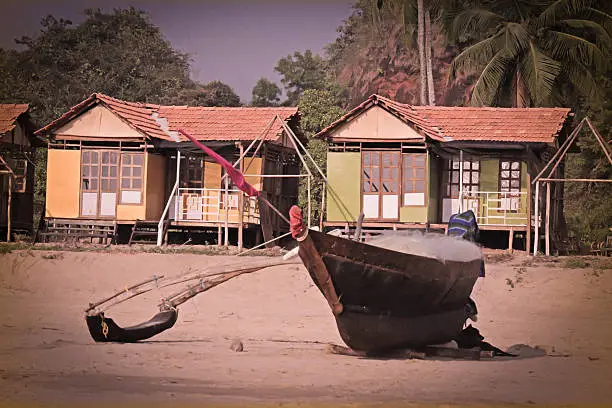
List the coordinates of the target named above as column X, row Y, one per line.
column 527, row 52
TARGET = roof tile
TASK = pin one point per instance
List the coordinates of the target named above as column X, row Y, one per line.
column 9, row 114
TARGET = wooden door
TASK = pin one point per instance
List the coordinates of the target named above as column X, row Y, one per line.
column 380, row 185
column 99, row 183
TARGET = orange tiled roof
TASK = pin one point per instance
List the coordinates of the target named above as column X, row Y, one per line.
column 496, row 124
column 203, row 123
column 226, row 123
column 9, row 114
column 451, row 123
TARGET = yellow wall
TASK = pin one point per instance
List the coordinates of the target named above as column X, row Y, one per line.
column 63, row 182
column 130, row 212
column 155, row 186
column 256, row 167
column 344, row 187
column 413, row 214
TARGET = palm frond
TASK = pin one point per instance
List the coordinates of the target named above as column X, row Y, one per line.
column 516, row 39
column 561, row 9
column 604, row 19
column 539, row 72
column 602, row 36
column 488, row 83
column 568, row 47
column 583, row 81
column 474, row 21
column 476, row 56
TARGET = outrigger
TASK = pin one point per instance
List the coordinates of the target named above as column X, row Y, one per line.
column 381, row 299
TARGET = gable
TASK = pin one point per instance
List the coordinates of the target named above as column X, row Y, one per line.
column 375, row 123
column 98, row 122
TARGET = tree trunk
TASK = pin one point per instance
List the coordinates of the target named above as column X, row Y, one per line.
column 428, row 55
column 520, row 96
column 421, row 44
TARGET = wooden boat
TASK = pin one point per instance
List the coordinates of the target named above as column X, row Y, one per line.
column 383, row 299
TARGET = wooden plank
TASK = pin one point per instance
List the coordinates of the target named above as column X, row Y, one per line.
column 315, row 265
column 529, row 203
column 8, row 209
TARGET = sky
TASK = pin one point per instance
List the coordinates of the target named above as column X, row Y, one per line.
column 234, row 41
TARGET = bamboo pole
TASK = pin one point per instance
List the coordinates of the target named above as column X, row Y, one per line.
column 565, row 144
column 589, row 180
column 8, row 209
column 600, row 140
column 547, row 232
column 529, row 203
column 241, row 203
column 537, row 219
column 309, row 205
column 265, row 243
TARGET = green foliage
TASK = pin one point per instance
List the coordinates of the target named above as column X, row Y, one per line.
column 121, row 54
column 319, row 108
column 300, row 72
column 532, row 54
column 265, row 93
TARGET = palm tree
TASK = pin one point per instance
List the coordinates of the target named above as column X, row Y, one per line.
column 526, row 52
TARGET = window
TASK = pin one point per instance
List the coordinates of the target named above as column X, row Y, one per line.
column 413, row 178
column 108, row 171
column 510, row 176
column 20, row 168
column 193, row 172
column 131, row 177
column 371, row 172
column 89, row 171
column 471, row 177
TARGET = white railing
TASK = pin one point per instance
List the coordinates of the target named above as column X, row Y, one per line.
column 213, row 205
column 497, row 207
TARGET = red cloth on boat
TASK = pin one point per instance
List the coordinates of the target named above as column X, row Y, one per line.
column 235, row 174
column 296, row 224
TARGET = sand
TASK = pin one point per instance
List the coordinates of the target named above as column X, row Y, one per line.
column 284, row 323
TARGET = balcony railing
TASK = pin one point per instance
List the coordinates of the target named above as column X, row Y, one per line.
column 497, row 207
column 213, row 205
column 491, row 207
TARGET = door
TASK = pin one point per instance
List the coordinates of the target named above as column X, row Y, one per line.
column 99, row 183
column 380, row 185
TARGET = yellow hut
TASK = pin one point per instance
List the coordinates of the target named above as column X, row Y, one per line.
column 115, row 165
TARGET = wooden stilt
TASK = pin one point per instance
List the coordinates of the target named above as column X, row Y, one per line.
column 8, row 209
column 309, row 206
column 547, row 231
column 226, row 204
column 219, row 236
column 536, row 237
column 510, row 240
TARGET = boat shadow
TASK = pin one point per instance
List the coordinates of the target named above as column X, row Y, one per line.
column 435, row 353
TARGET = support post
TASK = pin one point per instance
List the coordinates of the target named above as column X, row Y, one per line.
column 8, row 208
column 160, row 228
column 226, row 205
column 547, row 231
column 321, row 215
column 219, row 235
column 510, row 240
column 537, row 219
column 529, row 202
column 460, row 181
column 241, row 204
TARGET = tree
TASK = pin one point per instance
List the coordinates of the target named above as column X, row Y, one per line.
column 265, row 93
column 319, row 108
column 301, row 72
column 120, row 53
column 216, row 93
column 529, row 54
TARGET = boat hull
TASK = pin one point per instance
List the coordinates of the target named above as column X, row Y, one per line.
column 392, row 299
column 104, row 329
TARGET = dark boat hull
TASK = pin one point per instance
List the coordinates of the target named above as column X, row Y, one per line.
column 104, row 329
column 392, row 299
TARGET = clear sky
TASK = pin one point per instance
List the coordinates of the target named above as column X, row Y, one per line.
column 234, row 41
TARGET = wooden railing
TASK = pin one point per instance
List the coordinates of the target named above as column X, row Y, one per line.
column 213, row 205
column 497, row 207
